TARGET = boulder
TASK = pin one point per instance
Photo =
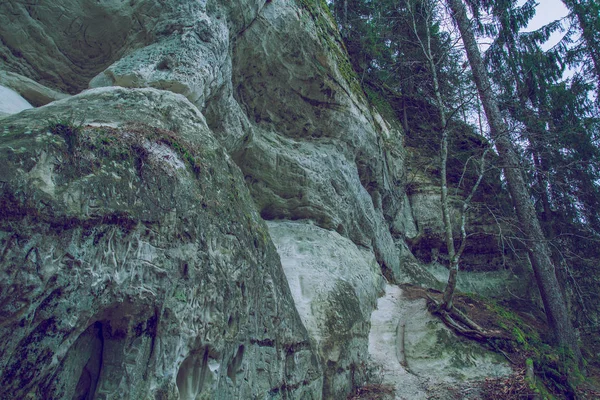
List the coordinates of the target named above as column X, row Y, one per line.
column 134, row 264
column 34, row 93
column 335, row 286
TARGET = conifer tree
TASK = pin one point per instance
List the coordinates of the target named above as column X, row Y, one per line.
column 539, row 253
column 586, row 14
column 560, row 127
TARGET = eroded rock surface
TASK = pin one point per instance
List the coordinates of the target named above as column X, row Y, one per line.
column 432, row 353
column 317, row 151
column 35, row 93
column 228, row 59
column 335, row 286
column 133, row 262
column 11, row 102
column 65, row 43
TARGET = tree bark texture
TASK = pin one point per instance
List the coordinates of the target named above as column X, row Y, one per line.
column 425, row 44
column 554, row 303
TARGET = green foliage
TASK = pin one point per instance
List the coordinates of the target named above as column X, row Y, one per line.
column 330, row 38
column 560, row 127
column 556, row 366
column 581, row 43
column 384, row 49
column 68, row 129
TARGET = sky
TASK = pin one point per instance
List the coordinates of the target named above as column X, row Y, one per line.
column 547, row 11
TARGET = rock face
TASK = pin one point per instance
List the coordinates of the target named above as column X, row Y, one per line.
column 65, row 44
column 135, row 260
column 134, row 264
column 335, row 286
column 433, row 355
column 30, row 90
column 317, row 151
column 267, row 103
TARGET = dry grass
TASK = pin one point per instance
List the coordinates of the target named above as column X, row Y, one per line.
column 373, row 392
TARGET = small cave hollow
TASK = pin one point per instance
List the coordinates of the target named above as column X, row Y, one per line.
column 90, row 373
column 79, row 373
column 197, row 373
column 108, row 348
column 235, row 367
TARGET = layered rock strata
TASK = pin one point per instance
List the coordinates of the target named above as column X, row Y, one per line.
column 135, row 259
column 134, row 264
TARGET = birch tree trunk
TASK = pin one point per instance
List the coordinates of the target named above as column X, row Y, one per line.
column 539, row 253
column 453, row 254
column 425, row 44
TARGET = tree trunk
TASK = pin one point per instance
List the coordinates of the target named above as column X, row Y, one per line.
column 425, row 44
column 554, row 303
column 537, row 134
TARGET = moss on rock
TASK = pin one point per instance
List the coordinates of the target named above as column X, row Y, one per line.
column 331, row 40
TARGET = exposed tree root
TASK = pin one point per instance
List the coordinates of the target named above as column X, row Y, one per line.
column 463, row 325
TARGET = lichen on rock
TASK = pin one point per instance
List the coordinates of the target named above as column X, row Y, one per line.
column 135, row 260
column 161, row 274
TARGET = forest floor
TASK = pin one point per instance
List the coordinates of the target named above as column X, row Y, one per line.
column 521, row 336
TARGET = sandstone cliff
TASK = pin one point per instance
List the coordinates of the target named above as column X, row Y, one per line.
column 135, row 257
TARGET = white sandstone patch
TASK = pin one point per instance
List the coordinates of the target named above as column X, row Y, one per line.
column 314, row 260
column 164, row 154
column 435, row 356
column 11, row 102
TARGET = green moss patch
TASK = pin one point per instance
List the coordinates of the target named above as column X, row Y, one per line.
column 68, row 129
column 331, row 40
column 90, row 147
column 528, row 344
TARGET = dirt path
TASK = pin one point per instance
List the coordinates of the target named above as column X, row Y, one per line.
column 383, row 345
column 438, row 363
